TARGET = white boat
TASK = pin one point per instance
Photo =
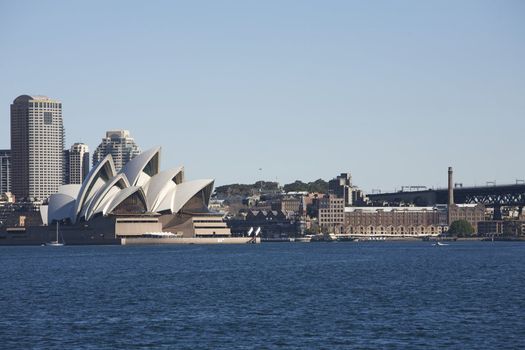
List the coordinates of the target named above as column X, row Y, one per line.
column 304, row 239
column 55, row 243
column 439, row 244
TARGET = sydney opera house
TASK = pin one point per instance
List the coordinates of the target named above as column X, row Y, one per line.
column 137, row 202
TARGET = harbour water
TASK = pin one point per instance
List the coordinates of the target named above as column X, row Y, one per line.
column 368, row 295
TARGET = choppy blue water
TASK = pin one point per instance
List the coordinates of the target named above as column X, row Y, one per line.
column 326, row 295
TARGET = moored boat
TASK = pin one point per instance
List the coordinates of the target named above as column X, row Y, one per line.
column 55, row 243
column 304, row 239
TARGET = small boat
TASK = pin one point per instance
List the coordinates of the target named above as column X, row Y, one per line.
column 55, row 243
column 304, row 239
column 440, row 244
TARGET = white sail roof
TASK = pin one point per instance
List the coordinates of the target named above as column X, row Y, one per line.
column 122, row 195
column 103, row 172
column 160, row 185
column 141, row 168
column 71, row 190
column 186, row 190
column 166, row 204
column 104, row 195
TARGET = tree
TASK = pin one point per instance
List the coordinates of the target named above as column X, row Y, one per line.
column 318, row 185
column 296, row 186
column 461, row 228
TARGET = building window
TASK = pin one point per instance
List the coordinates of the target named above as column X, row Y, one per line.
column 48, row 118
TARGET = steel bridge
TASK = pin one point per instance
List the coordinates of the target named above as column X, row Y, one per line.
column 490, row 196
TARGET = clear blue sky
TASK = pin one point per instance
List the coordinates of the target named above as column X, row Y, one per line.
column 393, row 91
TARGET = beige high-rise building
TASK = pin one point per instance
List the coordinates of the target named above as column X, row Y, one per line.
column 78, row 163
column 120, row 145
column 37, row 146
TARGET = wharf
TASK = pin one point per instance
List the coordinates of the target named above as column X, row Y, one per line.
column 190, row 240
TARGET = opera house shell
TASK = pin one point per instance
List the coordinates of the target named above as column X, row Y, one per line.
column 138, row 199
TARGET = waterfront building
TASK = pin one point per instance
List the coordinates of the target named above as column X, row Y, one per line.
column 78, row 160
column 289, row 203
column 17, row 214
column 120, row 145
column 5, row 171
column 501, row 228
column 37, row 145
column 490, row 227
column 331, row 214
column 473, row 213
column 210, row 225
column 395, row 222
column 274, row 224
column 380, row 222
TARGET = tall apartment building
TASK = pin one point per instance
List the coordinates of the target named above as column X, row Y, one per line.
column 5, row 171
column 37, row 145
column 78, row 163
column 120, row 145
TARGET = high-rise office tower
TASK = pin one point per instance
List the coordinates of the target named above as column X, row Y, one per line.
column 120, row 145
column 78, row 163
column 37, row 145
column 65, row 167
column 5, row 171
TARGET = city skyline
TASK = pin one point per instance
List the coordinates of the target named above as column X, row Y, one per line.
column 392, row 93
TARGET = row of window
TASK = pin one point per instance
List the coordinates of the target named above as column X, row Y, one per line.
column 45, row 105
